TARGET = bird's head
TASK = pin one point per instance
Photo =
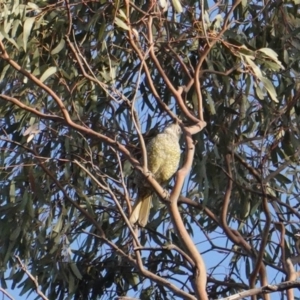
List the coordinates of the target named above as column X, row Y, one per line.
column 174, row 129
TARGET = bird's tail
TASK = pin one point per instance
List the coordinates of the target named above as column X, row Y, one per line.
column 141, row 210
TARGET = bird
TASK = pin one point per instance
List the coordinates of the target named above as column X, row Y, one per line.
column 163, row 156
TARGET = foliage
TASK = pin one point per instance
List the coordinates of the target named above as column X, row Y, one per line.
column 80, row 81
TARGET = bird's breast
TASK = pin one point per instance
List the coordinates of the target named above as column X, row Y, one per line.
column 163, row 158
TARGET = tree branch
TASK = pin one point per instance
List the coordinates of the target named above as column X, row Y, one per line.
column 34, row 280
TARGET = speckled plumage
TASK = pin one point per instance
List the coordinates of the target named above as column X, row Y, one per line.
column 163, row 153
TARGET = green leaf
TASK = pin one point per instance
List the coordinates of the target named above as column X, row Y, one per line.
column 177, row 6
column 27, row 30
column 255, row 68
column 75, row 270
column 270, row 88
column 211, row 104
column 283, row 179
column 34, row 7
column 121, row 24
column 59, row 47
column 3, row 35
column 272, row 55
column 50, row 71
column 58, row 226
column 122, row 14
column 12, row 192
column 259, row 92
column 15, row 233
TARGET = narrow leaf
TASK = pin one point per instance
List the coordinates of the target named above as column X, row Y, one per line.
column 270, row 88
column 254, row 67
column 75, row 270
column 48, row 73
column 177, row 6
column 12, row 192
column 122, row 14
column 272, row 55
column 26, row 30
column 59, row 47
column 121, row 24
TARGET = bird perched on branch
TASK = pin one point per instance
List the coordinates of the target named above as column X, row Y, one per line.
column 163, row 155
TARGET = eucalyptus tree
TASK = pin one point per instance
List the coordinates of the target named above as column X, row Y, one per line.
column 84, row 86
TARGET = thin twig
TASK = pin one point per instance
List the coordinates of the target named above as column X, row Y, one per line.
column 107, row 189
column 6, row 293
column 34, row 280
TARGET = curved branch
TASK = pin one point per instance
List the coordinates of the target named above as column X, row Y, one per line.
column 32, row 110
column 267, row 289
column 6, row 293
column 264, row 241
column 199, row 278
column 34, row 280
column 176, row 93
column 66, row 117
